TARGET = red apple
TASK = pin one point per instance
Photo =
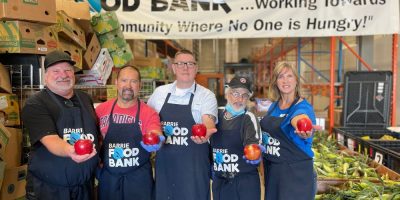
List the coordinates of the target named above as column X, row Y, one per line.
column 304, row 124
column 252, row 152
column 199, row 130
column 83, row 147
column 150, row 138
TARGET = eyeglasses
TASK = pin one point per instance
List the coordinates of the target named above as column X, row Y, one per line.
column 188, row 64
column 237, row 95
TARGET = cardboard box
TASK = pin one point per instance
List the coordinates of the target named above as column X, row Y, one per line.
column 102, row 67
column 76, row 10
column 33, row 10
column 5, row 84
column 104, row 22
column 4, row 139
column 147, row 62
column 2, row 171
column 14, row 183
column 138, row 47
column 9, row 109
column 74, row 50
column 122, row 56
column 69, row 30
column 92, row 52
column 151, row 49
column 88, row 80
column 152, row 72
column 112, row 40
column 12, row 157
column 26, row 37
column 79, row 11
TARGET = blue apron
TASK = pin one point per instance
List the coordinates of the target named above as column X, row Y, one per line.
column 233, row 179
column 126, row 172
column 182, row 166
column 288, row 169
column 55, row 177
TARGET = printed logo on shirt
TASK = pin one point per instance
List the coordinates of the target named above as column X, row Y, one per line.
column 225, row 162
column 271, row 144
column 118, row 119
column 121, row 155
column 71, row 135
column 175, row 135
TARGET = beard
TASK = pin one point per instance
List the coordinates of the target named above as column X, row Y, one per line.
column 61, row 84
column 65, row 84
column 127, row 94
column 238, row 106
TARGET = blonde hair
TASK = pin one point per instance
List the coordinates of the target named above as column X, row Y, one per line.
column 274, row 93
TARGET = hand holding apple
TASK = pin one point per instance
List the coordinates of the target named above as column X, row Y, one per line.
column 257, row 161
column 252, row 152
column 199, row 130
column 304, row 124
column 201, row 134
column 83, row 146
column 150, row 138
column 304, row 127
column 152, row 141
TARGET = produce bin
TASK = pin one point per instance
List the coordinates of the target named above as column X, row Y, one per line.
column 386, row 153
column 352, row 137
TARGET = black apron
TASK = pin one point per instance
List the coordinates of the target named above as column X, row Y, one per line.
column 55, row 177
column 126, row 172
column 288, row 170
column 182, row 166
column 234, row 179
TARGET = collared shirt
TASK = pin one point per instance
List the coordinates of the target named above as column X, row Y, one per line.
column 204, row 101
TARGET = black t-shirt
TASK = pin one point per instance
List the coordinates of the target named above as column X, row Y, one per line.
column 40, row 113
column 250, row 133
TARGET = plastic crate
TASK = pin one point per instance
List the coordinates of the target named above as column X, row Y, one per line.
column 386, row 153
column 351, row 137
column 367, row 98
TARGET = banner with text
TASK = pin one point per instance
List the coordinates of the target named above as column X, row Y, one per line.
column 201, row 19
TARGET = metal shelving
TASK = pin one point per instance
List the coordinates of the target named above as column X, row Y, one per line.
column 265, row 60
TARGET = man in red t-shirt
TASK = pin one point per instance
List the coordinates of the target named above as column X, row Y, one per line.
column 126, row 170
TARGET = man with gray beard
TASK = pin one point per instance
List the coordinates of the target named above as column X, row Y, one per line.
column 126, row 172
column 237, row 128
column 56, row 118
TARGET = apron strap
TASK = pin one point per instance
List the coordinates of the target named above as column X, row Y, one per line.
column 277, row 103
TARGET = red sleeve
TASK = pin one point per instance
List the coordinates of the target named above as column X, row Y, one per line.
column 149, row 118
column 103, row 112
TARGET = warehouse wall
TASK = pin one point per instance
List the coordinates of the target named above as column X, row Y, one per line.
column 211, row 56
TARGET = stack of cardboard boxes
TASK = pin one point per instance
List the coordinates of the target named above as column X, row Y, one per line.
column 107, row 28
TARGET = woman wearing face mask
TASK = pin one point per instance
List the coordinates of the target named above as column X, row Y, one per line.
column 288, row 161
column 234, row 177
